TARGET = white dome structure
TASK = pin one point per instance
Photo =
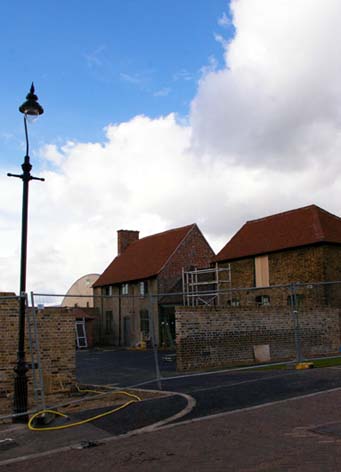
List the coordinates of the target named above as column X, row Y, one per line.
column 80, row 294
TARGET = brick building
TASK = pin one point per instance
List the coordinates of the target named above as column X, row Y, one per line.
column 301, row 245
column 130, row 292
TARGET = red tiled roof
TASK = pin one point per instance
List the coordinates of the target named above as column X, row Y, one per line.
column 143, row 258
column 300, row 227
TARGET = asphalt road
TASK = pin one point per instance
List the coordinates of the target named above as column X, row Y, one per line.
column 120, row 367
column 213, row 392
column 216, row 393
column 257, row 433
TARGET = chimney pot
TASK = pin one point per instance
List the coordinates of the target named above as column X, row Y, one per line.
column 124, row 238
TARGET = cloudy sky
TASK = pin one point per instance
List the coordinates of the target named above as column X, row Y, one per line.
column 161, row 114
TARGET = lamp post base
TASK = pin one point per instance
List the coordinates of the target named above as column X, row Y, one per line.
column 20, row 393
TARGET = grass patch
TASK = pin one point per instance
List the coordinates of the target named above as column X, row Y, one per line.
column 273, row 367
column 318, row 363
column 327, row 362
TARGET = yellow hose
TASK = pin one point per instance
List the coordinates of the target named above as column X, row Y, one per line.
column 136, row 398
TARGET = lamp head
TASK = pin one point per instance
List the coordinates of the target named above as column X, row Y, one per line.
column 31, row 107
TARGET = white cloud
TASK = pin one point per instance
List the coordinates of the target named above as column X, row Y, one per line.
column 263, row 136
column 279, row 89
column 132, row 79
column 182, row 74
column 138, row 79
column 162, row 92
column 51, row 153
column 96, row 58
column 221, row 40
column 224, row 20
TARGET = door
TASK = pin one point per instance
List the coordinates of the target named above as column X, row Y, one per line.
column 167, row 326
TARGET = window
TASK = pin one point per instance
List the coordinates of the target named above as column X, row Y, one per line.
column 233, row 302
column 108, row 322
column 262, row 271
column 108, row 290
column 124, row 289
column 143, row 288
column 144, row 323
column 262, row 300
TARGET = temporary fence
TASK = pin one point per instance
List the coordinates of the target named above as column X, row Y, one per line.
column 131, row 338
column 138, row 337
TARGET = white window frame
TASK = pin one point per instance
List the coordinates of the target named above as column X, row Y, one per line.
column 125, row 289
column 143, row 288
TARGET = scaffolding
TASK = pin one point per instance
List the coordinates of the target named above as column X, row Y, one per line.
column 202, row 286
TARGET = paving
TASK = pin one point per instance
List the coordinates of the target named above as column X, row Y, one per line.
column 18, row 440
column 261, row 399
column 278, row 437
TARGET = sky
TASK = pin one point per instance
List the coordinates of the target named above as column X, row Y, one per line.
column 160, row 114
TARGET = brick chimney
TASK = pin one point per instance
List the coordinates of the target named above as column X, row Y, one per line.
column 124, row 238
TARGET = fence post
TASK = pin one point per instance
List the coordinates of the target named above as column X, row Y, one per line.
column 154, row 343
column 294, row 312
column 39, row 390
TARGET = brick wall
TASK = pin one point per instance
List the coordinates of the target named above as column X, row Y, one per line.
column 212, row 337
column 194, row 251
column 305, row 265
column 332, row 261
column 56, row 328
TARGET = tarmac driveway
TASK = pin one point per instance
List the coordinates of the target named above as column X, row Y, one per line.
column 123, row 367
column 214, row 392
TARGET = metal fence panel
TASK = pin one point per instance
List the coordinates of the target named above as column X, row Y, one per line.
column 137, row 340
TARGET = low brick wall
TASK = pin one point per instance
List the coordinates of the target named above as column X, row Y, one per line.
column 57, row 351
column 212, row 337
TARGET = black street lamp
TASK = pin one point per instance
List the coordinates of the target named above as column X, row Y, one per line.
column 30, row 108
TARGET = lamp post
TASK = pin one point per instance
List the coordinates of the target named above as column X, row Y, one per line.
column 30, row 108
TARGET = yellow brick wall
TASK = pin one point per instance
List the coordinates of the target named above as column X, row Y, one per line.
column 56, row 333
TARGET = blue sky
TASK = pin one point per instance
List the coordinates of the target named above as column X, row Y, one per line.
column 95, row 63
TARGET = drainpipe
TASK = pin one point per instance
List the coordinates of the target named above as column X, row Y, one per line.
column 119, row 317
